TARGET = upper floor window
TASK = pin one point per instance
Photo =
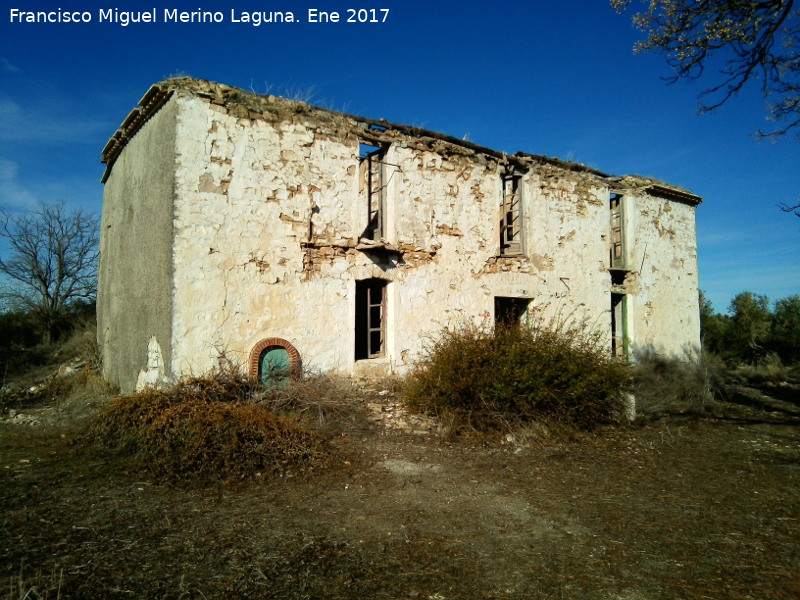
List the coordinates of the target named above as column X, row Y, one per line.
column 511, row 216
column 372, row 189
column 617, row 233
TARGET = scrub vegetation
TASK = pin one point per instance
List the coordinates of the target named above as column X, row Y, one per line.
column 486, row 378
column 207, row 428
column 217, row 488
column 753, row 332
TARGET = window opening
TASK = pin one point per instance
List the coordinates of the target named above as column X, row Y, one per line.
column 372, row 188
column 511, row 216
column 617, row 233
column 510, row 311
column 619, row 332
column 617, row 278
column 370, row 318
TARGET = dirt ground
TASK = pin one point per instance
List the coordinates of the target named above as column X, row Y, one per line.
column 682, row 507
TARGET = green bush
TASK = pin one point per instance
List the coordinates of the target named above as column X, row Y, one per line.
column 491, row 377
column 205, row 428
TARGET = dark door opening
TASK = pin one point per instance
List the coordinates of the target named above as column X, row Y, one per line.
column 619, row 337
column 510, row 311
column 370, row 323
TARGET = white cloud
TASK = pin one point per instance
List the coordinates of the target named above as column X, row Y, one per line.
column 50, row 124
column 6, row 66
column 13, row 196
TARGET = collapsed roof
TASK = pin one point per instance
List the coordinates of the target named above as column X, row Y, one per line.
column 250, row 105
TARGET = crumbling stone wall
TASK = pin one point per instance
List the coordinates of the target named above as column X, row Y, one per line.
column 260, row 215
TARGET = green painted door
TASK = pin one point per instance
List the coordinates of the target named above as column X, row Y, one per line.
column 273, row 368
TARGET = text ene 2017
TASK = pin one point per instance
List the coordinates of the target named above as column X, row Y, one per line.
column 361, row 15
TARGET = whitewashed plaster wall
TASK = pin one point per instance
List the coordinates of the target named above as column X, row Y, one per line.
column 245, row 192
column 663, row 302
column 264, row 215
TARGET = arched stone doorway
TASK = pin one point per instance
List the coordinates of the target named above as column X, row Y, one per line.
column 273, row 360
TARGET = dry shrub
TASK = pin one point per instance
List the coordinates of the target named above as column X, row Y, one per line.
column 673, row 386
column 226, row 384
column 124, row 421
column 492, row 378
column 215, row 439
column 74, row 394
column 318, row 401
column 81, row 344
column 206, row 427
column 769, row 371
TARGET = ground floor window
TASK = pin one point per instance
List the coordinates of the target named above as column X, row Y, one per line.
column 370, row 323
column 510, row 311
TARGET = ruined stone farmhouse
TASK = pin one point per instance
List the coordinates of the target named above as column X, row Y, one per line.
column 273, row 234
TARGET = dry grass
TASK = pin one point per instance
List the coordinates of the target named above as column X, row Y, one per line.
column 323, row 402
column 672, row 386
column 639, row 513
column 634, row 513
column 34, row 586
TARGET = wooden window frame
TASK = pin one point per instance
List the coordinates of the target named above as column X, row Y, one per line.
column 511, row 223
column 618, row 243
column 370, row 317
column 620, row 343
column 372, row 188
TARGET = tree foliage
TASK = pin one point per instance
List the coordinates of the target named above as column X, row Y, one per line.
column 751, row 332
column 51, row 262
column 750, row 325
column 786, row 328
column 712, row 327
column 757, row 40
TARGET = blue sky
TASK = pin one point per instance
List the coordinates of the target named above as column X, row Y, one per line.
column 555, row 78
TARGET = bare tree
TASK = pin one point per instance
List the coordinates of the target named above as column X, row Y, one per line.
column 52, row 261
column 791, row 208
column 758, row 40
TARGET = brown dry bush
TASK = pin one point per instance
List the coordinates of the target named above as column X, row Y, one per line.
column 121, row 423
column 490, row 378
column 319, row 401
column 205, row 428
column 197, row 438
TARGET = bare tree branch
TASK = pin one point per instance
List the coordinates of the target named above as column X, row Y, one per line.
column 791, row 208
column 52, row 260
column 759, row 40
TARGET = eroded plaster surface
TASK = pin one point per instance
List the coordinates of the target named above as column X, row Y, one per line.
column 267, row 238
column 135, row 284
